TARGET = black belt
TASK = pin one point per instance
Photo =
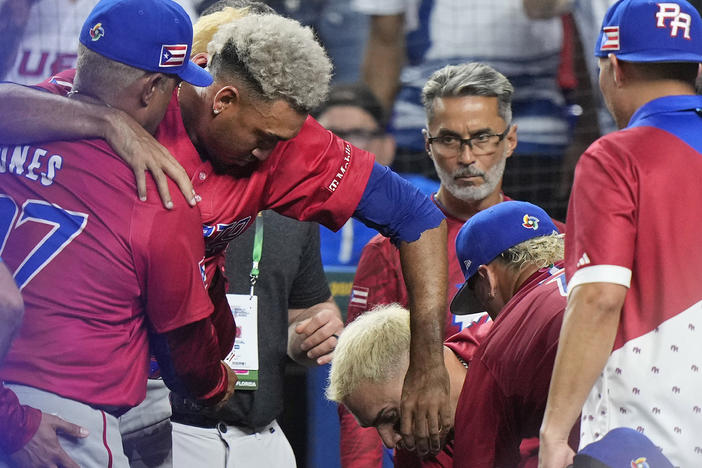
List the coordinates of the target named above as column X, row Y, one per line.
column 197, row 420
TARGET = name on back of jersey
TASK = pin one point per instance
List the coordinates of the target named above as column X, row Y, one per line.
column 34, row 163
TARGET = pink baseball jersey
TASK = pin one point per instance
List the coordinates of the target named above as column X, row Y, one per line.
column 634, row 220
column 96, row 266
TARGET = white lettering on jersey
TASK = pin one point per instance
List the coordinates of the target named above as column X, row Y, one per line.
column 38, row 153
column 334, row 184
column 55, row 163
column 560, row 280
column 217, row 237
column 19, row 157
column 201, row 267
column 465, row 321
column 677, row 19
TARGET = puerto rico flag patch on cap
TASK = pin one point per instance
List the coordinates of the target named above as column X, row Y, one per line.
column 610, row 38
column 173, row 55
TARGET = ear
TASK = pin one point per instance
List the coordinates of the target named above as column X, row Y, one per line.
column 202, row 59
column 487, row 274
column 511, row 140
column 226, row 98
column 427, row 147
column 617, row 70
column 154, row 83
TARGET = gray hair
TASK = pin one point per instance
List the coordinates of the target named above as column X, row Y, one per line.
column 372, row 348
column 277, row 58
column 539, row 251
column 468, row 79
column 102, row 77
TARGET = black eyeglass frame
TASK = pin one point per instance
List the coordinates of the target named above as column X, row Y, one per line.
column 469, row 141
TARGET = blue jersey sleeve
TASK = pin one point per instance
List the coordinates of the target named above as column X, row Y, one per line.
column 395, row 207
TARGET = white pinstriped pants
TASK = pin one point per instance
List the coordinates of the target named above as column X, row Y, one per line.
column 231, row 447
column 102, row 448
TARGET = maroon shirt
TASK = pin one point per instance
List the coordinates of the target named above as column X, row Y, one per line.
column 94, row 267
column 504, row 396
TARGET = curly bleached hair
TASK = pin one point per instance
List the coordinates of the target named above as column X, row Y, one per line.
column 219, row 13
column 276, row 57
column 540, row 251
column 207, row 26
column 372, row 348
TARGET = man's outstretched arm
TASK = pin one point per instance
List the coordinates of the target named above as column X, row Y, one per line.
column 425, row 412
column 398, row 210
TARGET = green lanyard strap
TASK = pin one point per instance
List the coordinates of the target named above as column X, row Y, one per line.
column 257, row 248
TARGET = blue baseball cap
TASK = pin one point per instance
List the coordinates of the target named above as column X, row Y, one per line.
column 489, row 233
column 152, row 35
column 621, row 448
column 651, row 31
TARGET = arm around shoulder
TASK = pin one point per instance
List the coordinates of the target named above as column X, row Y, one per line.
column 33, row 115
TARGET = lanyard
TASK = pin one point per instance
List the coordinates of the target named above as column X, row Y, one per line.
column 257, row 248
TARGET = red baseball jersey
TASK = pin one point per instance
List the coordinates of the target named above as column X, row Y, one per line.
column 95, row 265
column 634, row 220
column 315, row 176
column 504, row 395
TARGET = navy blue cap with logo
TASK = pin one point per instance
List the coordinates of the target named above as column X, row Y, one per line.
column 151, row 35
column 489, row 233
column 651, row 31
column 621, row 447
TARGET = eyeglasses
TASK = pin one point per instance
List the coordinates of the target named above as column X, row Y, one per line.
column 481, row 144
